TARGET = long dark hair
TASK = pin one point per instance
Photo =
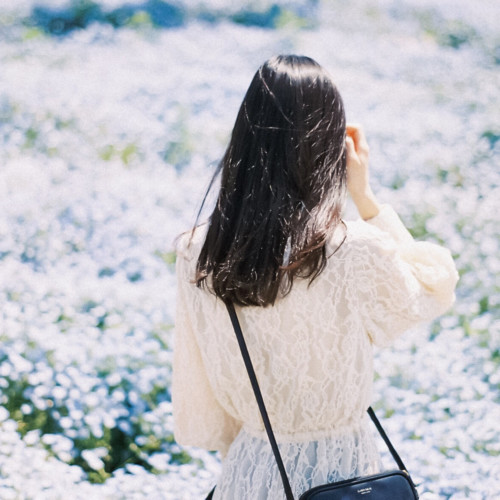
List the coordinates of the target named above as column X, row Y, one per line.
column 282, row 185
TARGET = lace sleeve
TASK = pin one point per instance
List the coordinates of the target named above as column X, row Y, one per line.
column 402, row 282
column 199, row 420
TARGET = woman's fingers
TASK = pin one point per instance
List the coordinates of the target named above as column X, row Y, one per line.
column 354, row 129
column 350, row 145
column 352, row 156
column 355, row 132
column 358, row 182
column 357, row 160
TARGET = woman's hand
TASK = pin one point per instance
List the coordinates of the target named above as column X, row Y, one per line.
column 358, row 181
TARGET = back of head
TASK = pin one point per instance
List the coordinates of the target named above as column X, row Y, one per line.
column 282, row 185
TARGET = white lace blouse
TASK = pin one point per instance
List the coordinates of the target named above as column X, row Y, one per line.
column 312, row 353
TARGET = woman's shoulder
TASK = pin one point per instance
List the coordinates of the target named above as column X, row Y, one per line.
column 362, row 243
column 383, row 230
column 188, row 244
column 360, row 234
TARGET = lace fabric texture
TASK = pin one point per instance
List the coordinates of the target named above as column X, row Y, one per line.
column 312, row 353
column 308, row 463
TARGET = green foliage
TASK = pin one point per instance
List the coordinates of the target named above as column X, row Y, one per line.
column 275, row 16
column 158, row 14
column 455, row 34
column 177, row 153
column 291, row 20
column 389, row 412
column 484, row 304
column 451, row 175
column 417, row 226
column 32, row 33
column 446, row 32
column 131, row 447
column 398, row 181
column 495, row 356
column 16, row 401
column 78, row 14
column 492, row 137
column 107, row 152
column 126, row 153
column 168, row 257
column 140, row 19
column 121, row 449
column 180, row 148
column 31, row 135
column 263, row 19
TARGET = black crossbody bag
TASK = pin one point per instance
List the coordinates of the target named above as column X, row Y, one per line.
column 390, row 485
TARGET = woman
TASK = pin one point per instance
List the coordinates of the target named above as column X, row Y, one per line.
column 313, row 294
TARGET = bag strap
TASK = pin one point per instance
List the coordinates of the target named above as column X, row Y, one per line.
column 260, row 401
column 387, row 441
column 267, row 424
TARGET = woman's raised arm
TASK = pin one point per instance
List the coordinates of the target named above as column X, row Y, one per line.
column 358, row 178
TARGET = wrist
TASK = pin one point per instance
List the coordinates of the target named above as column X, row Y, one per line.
column 367, row 204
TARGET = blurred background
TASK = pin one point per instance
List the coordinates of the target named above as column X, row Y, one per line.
column 113, row 115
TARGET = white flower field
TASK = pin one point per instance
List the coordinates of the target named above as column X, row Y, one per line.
column 113, row 115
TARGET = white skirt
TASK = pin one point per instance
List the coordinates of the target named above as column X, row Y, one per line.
column 250, row 472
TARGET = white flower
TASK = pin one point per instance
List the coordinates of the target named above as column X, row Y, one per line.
column 93, row 460
column 4, row 414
